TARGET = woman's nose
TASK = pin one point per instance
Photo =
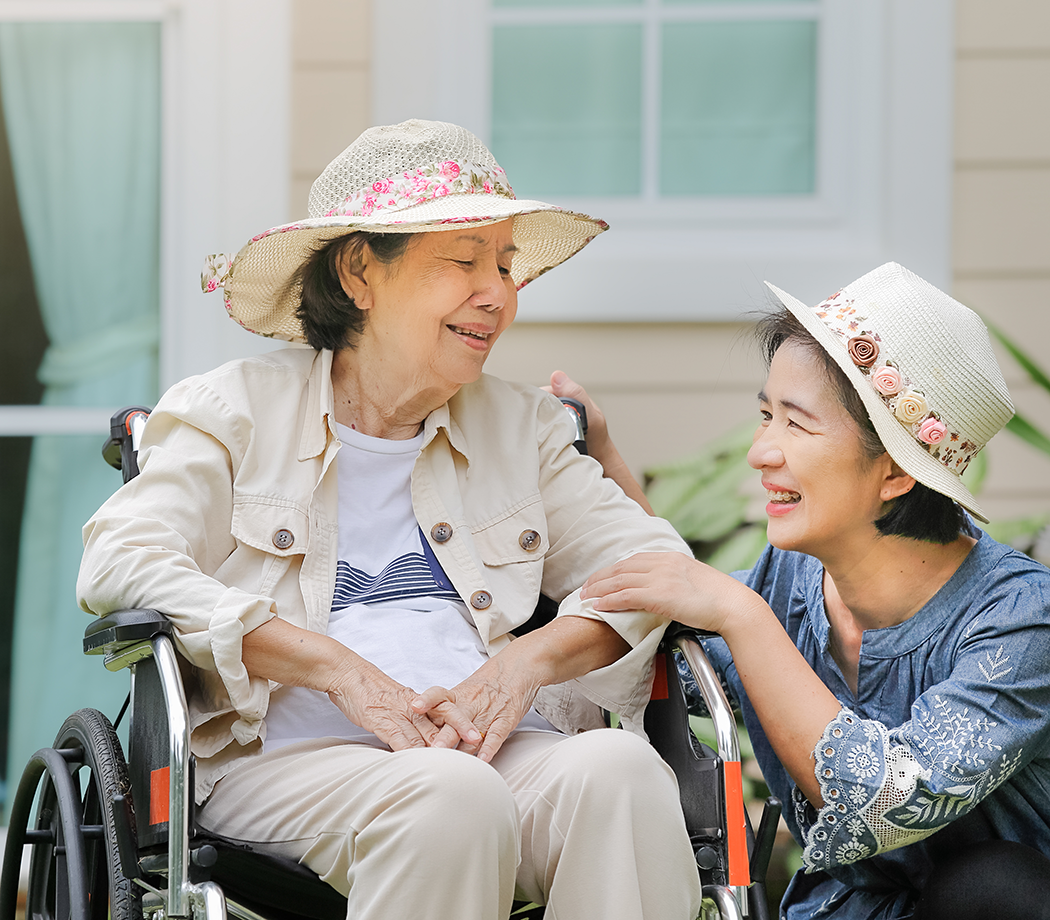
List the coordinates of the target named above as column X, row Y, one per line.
column 764, row 452
column 491, row 292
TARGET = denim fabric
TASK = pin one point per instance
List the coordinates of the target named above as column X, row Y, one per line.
column 946, row 742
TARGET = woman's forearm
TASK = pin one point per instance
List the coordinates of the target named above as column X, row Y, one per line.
column 792, row 703
column 290, row 655
column 567, row 647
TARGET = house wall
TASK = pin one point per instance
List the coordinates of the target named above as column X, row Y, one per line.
column 1001, row 255
column 667, row 389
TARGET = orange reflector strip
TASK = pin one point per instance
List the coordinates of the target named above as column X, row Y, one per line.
column 660, row 679
column 736, row 835
column 158, row 795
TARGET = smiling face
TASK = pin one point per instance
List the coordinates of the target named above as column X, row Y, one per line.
column 434, row 316
column 824, row 491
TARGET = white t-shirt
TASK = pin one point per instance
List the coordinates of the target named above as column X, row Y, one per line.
column 393, row 604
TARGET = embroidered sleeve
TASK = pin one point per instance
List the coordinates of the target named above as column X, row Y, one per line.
column 884, row 790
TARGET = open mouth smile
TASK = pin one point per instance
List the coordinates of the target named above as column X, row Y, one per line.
column 470, row 333
column 783, row 498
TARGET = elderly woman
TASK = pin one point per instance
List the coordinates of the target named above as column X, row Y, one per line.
column 346, row 537
column 891, row 660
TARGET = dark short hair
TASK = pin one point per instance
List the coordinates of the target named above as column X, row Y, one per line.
column 329, row 317
column 921, row 513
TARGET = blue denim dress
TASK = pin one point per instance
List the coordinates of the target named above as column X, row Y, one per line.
column 945, row 743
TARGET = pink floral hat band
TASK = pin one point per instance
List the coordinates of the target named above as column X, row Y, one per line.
column 449, row 177
column 905, row 401
column 412, row 187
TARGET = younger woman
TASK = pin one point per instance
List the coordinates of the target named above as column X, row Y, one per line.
column 891, row 660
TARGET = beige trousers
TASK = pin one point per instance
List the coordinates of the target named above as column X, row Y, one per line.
column 589, row 825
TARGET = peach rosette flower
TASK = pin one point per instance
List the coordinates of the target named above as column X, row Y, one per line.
column 911, row 407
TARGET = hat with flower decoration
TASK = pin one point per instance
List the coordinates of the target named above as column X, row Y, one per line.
column 924, row 368
column 414, row 177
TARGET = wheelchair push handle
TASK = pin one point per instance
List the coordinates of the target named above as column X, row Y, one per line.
column 578, row 414
column 125, row 435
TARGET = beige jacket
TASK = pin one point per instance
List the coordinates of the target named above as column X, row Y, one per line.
column 233, row 521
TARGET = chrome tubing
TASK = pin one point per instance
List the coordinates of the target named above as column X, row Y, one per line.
column 728, row 908
column 726, row 739
column 714, row 698
column 209, row 903
column 179, row 887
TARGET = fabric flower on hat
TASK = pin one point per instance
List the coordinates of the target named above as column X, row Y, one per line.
column 932, row 431
column 911, row 407
column 887, row 380
column 863, row 350
column 215, row 272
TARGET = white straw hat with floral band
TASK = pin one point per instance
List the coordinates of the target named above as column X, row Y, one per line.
column 924, row 368
column 417, row 176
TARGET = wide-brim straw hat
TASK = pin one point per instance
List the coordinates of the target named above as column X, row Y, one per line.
column 924, row 368
column 417, row 176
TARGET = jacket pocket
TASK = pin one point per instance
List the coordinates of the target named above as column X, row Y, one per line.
column 518, row 534
column 270, row 525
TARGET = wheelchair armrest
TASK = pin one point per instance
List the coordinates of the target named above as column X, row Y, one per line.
column 676, row 630
column 114, row 631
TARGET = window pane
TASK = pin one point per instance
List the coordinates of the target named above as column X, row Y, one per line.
column 566, row 108
column 739, row 108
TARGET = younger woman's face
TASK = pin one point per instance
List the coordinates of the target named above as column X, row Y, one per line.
column 823, row 491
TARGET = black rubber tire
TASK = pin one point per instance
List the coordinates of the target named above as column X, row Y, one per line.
column 99, row 772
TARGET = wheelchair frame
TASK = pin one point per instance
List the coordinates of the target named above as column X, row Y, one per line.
column 125, row 845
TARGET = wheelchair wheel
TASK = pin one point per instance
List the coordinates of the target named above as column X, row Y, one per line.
column 96, row 764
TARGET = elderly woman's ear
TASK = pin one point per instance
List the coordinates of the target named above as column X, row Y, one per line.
column 352, row 265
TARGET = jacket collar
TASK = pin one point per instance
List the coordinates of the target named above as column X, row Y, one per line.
column 442, row 419
column 319, row 420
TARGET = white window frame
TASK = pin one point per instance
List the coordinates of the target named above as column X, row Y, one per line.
column 225, row 88
column 885, row 81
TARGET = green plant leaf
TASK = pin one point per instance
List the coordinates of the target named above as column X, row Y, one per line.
column 1030, row 367
column 740, row 551
column 1026, row 431
column 1019, row 533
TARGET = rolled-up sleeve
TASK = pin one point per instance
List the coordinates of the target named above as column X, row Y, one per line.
column 592, row 524
column 159, row 541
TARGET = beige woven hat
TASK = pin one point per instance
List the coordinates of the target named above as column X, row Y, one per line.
column 924, row 367
column 418, row 176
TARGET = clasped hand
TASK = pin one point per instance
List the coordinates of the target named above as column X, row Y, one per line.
column 476, row 716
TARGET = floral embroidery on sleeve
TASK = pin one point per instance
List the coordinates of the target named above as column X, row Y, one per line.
column 885, row 790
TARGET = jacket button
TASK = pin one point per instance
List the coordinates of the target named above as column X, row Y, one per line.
column 441, row 532
column 529, row 540
column 283, row 539
column 479, row 600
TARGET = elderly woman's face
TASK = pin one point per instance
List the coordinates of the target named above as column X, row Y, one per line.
column 440, row 309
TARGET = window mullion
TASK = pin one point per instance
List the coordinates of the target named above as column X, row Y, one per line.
column 651, row 91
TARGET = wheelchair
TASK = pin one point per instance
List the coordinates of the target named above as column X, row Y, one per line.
column 117, row 838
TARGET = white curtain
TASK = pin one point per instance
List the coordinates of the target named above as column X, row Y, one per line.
column 82, row 105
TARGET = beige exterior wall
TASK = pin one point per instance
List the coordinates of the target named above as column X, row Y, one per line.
column 1001, row 255
column 668, row 389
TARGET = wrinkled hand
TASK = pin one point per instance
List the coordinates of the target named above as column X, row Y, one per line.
column 495, row 698
column 379, row 704
column 671, row 585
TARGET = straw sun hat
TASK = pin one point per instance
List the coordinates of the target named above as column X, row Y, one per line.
column 923, row 365
column 418, row 176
